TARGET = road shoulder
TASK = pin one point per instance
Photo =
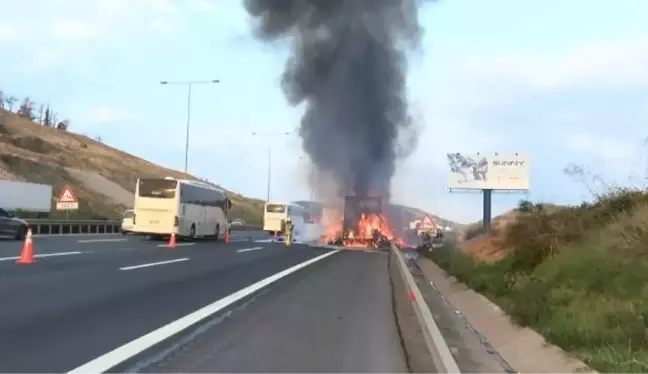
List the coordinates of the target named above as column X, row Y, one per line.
column 524, row 349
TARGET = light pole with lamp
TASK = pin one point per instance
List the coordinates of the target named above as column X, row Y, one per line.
column 269, row 136
column 189, row 84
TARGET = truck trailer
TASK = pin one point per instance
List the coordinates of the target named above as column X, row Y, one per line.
column 31, row 197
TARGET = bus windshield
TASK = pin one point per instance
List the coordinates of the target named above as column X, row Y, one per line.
column 275, row 208
column 157, row 188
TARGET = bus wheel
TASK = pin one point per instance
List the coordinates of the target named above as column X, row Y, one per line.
column 192, row 232
column 217, row 233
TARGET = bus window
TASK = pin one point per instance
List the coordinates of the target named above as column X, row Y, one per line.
column 276, row 208
column 157, row 188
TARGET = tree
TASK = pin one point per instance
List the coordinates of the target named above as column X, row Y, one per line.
column 41, row 112
column 26, row 109
column 63, row 125
column 2, row 100
column 11, row 100
column 47, row 121
column 525, row 206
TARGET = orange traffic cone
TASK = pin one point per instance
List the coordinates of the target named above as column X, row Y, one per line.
column 172, row 241
column 27, row 253
column 227, row 239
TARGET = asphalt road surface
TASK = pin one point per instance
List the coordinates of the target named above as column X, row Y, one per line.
column 131, row 304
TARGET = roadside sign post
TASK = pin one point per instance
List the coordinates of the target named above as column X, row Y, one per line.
column 67, row 201
column 427, row 224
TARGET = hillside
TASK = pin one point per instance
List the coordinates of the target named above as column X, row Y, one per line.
column 102, row 177
column 411, row 214
column 577, row 275
column 492, row 246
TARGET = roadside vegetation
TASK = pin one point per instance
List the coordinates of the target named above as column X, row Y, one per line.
column 577, row 275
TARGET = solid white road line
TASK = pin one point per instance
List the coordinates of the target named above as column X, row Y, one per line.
column 177, row 245
column 248, row 249
column 153, row 264
column 111, row 359
column 43, row 255
column 102, row 240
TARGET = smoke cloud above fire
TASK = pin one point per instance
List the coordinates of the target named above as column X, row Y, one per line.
column 348, row 66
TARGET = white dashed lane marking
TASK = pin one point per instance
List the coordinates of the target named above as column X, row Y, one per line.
column 248, row 249
column 133, row 267
column 57, row 254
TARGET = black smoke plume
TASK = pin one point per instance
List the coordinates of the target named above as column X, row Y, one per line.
column 348, row 64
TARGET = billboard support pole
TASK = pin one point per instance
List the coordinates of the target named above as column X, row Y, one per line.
column 487, row 214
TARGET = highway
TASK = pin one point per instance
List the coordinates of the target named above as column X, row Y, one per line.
column 94, row 303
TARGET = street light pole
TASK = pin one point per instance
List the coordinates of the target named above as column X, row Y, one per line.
column 269, row 136
column 269, row 169
column 189, row 85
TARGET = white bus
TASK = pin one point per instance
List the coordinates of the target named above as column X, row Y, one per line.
column 187, row 208
column 275, row 214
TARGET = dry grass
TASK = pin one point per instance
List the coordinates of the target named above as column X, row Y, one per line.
column 493, row 246
column 31, row 152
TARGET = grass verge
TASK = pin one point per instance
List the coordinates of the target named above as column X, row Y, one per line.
column 578, row 276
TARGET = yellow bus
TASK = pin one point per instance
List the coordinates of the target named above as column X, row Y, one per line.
column 190, row 209
column 275, row 214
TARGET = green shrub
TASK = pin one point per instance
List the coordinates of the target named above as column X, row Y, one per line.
column 578, row 275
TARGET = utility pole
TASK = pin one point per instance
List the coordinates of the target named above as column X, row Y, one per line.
column 269, row 136
column 189, row 85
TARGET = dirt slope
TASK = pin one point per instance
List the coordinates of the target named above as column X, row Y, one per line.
column 34, row 153
column 490, row 247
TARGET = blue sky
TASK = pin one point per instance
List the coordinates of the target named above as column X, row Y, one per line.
column 564, row 81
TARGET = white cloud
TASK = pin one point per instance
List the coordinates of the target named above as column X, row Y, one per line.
column 64, row 27
column 73, row 30
column 608, row 149
column 106, row 114
column 163, row 27
column 80, row 28
column 202, row 5
column 46, row 57
column 622, row 63
column 11, row 32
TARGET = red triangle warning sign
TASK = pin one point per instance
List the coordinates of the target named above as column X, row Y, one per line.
column 67, row 196
column 427, row 223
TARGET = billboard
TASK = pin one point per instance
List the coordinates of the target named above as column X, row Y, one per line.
column 488, row 171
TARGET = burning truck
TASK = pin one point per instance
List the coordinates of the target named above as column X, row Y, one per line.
column 361, row 224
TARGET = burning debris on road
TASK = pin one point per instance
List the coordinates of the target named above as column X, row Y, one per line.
column 363, row 224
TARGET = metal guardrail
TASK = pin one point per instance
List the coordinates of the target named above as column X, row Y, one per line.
column 245, row 228
column 68, row 227
column 71, row 227
column 436, row 345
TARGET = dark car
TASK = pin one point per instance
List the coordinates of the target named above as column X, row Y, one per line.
column 12, row 226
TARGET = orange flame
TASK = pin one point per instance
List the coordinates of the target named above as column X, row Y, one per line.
column 363, row 234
